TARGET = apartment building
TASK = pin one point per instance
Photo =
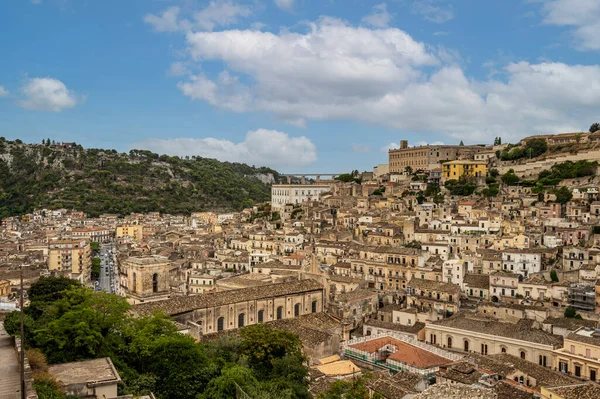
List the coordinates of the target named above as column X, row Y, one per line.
column 133, row 231
column 70, row 257
column 580, row 354
column 296, row 194
column 454, row 170
column 96, row 234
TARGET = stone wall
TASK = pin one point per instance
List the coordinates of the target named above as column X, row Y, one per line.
column 532, row 169
column 30, row 392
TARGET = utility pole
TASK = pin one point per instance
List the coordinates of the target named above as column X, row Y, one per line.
column 22, row 339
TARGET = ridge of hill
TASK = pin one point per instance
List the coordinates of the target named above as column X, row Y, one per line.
column 100, row 181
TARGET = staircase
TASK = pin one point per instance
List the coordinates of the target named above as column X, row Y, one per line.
column 10, row 380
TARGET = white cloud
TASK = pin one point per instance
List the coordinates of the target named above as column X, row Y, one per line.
column 165, row 22
column 216, row 13
column 582, row 15
column 298, row 122
column 220, row 13
column 379, row 17
column 47, row 94
column 3, row 92
column 390, row 146
column 360, row 148
column 422, row 143
column 284, row 4
column 437, row 11
column 260, row 147
column 178, row 69
column 336, row 71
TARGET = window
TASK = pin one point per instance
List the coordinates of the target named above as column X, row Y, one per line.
column 542, row 361
column 241, row 320
column 220, row 323
column 155, row 282
column 592, row 375
column 261, row 315
column 588, row 353
column 297, row 310
column 134, row 282
column 577, row 371
column 314, row 306
column 466, row 345
column 523, row 354
column 484, row 349
column 279, row 312
column 450, row 342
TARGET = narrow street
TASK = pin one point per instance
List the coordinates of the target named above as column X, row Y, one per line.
column 107, row 268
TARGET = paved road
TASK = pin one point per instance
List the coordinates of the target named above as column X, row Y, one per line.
column 10, row 378
column 107, row 268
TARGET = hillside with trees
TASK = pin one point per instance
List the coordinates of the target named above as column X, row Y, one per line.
column 100, row 181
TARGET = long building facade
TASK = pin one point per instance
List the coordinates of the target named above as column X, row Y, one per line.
column 429, row 156
column 214, row 312
column 295, row 194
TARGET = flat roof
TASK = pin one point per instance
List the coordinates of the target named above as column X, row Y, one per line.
column 95, row 372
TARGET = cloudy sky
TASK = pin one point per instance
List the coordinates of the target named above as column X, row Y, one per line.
column 298, row 85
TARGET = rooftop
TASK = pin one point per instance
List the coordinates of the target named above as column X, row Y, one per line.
column 183, row 304
column 405, row 353
column 95, row 372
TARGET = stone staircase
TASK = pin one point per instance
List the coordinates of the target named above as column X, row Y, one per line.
column 9, row 367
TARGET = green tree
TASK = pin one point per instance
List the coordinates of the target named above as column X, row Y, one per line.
column 96, row 268
column 554, row 276
column 510, row 178
column 262, row 345
column 570, row 312
column 224, row 386
column 594, row 127
column 83, row 327
column 461, row 143
column 180, row 366
column 345, row 389
column 563, row 195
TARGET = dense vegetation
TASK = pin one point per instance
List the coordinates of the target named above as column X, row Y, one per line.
column 533, row 148
column 66, row 322
column 97, row 181
column 463, row 186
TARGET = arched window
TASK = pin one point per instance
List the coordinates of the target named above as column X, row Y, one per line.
column 261, row 315
column 241, row 320
column 134, row 288
column 368, row 332
column 155, row 282
column 450, row 342
column 279, row 312
column 466, row 345
column 484, row 349
column 314, row 306
column 297, row 310
column 522, row 354
column 503, row 350
column 220, row 323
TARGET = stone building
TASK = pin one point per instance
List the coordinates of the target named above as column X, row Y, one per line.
column 145, row 278
column 296, row 194
column 489, row 336
column 228, row 310
column 428, row 157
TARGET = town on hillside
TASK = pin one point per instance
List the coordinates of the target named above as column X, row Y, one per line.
column 449, row 271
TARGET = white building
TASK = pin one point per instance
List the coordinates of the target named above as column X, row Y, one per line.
column 282, row 194
column 523, row 262
column 223, row 217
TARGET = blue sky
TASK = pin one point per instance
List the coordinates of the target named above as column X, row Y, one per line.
column 299, row 85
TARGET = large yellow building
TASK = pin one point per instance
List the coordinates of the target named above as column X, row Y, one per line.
column 580, row 354
column 72, row 258
column 134, row 231
column 465, row 167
